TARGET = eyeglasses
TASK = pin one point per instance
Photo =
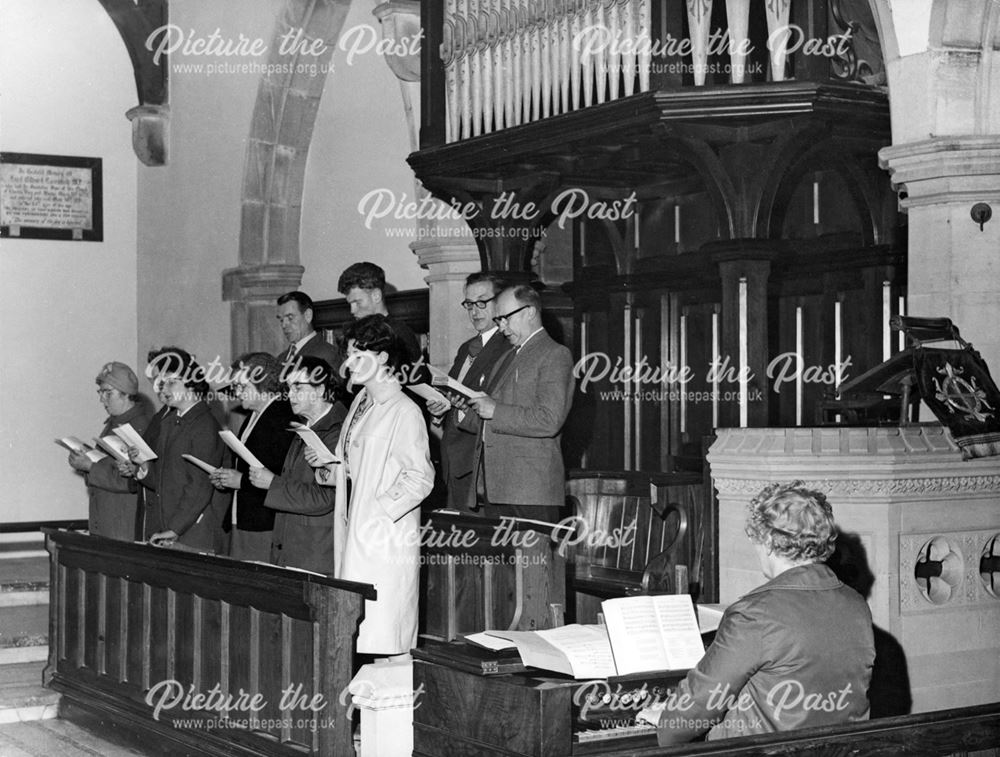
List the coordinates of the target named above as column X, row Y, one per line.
column 301, row 386
column 477, row 304
column 508, row 316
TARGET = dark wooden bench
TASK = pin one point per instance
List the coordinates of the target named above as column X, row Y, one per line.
column 637, row 533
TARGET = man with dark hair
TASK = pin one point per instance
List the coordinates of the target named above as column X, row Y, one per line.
column 363, row 284
column 295, row 315
column 519, row 465
column 472, row 366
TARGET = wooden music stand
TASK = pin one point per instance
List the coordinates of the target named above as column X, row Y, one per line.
column 863, row 398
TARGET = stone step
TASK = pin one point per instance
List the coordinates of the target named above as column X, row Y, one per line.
column 22, row 696
column 24, row 633
column 24, row 599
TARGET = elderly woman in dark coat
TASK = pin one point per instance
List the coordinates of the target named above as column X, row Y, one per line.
column 303, row 525
column 793, row 653
column 113, row 504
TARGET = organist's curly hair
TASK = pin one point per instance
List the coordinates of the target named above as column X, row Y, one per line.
column 793, row 522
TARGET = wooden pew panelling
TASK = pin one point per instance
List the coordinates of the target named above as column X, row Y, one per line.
column 637, row 533
column 481, row 573
column 126, row 619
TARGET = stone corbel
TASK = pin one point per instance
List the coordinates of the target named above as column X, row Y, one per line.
column 150, row 133
column 400, row 21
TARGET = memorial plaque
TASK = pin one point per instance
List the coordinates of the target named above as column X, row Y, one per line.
column 50, row 197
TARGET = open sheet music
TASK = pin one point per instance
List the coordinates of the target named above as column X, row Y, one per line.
column 657, row 632
column 642, row 635
column 576, row 650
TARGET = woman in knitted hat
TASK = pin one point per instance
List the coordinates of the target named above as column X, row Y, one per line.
column 112, row 502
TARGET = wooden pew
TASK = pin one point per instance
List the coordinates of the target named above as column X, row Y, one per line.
column 133, row 627
column 481, row 573
column 638, row 533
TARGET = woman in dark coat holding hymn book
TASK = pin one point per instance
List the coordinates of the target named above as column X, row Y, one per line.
column 189, row 509
column 266, row 433
column 303, row 525
column 113, row 502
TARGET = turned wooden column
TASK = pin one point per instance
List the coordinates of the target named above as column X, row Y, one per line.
column 744, row 269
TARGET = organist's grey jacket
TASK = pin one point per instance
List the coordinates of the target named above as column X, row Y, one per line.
column 794, row 653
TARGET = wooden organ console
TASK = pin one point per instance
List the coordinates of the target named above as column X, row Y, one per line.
column 530, row 713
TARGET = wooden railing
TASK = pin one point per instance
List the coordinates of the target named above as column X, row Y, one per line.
column 204, row 654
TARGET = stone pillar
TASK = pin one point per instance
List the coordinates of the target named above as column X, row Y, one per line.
column 253, row 290
column 953, row 267
column 448, row 263
column 899, row 490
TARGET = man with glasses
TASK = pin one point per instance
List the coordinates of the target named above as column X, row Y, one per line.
column 472, row 366
column 519, row 465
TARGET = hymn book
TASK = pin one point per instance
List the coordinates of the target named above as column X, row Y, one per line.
column 313, row 442
column 428, row 393
column 642, row 634
column 114, row 447
column 132, row 438
column 75, row 445
column 232, row 441
column 451, row 388
column 200, row 463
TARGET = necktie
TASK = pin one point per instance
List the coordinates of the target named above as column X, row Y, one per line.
column 501, row 368
column 475, row 347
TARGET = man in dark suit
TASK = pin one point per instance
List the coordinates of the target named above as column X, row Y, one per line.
column 266, row 433
column 295, row 314
column 528, row 396
column 472, row 366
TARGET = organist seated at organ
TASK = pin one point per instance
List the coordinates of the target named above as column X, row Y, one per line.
column 793, row 653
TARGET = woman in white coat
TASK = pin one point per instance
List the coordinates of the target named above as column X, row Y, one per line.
column 384, row 475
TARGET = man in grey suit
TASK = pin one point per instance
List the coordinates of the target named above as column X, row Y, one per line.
column 528, row 396
column 295, row 314
column 472, row 366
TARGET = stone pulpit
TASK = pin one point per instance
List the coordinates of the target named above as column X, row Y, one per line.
column 928, row 521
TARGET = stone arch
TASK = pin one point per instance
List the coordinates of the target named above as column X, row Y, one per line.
column 281, row 130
